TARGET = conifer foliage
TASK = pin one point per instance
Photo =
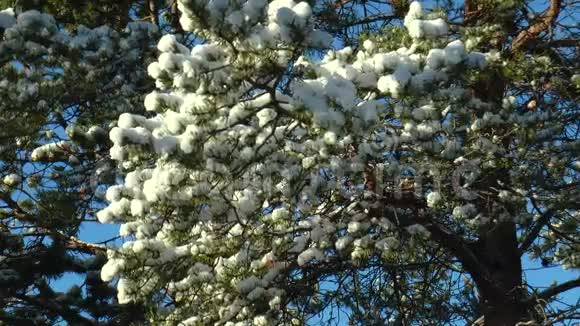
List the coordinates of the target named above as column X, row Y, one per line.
column 60, row 90
column 294, row 163
column 270, row 185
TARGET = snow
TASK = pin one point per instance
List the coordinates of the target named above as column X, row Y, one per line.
column 308, row 255
column 395, row 83
column 29, row 18
column 246, row 201
column 477, row 60
column 236, row 230
column 261, row 321
column 319, row 39
column 419, row 28
column 433, row 199
column 249, row 284
column 51, row 150
column 330, row 138
column 435, row 58
column 355, row 226
column 464, row 211
column 111, row 269
column 283, row 20
column 152, row 99
column 415, row 12
column 342, row 243
column 12, row 180
column 123, row 294
column 96, row 133
column 454, row 53
column 114, row 193
column 434, row 28
column 303, row 10
column 368, row 45
column 169, row 43
column 155, row 71
column 265, row 116
column 138, row 207
column 256, row 294
column 7, row 18
column 280, row 214
column 138, row 135
column 368, row 112
column 170, row 61
column 229, row 173
column 425, row 78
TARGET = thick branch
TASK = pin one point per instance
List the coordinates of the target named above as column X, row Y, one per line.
column 469, row 11
column 555, row 290
column 457, row 246
column 71, row 316
column 73, row 243
column 174, row 16
column 536, row 229
column 371, row 19
column 340, row 3
column 154, row 15
column 468, row 8
column 565, row 43
column 546, row 21
column 70, row 242
column 446, row 238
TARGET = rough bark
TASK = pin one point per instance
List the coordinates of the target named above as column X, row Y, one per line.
column 153, row 13
column 499, row 253
column 546, row 22
column 174, row 16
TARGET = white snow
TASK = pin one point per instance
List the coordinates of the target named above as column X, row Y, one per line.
column 12, row 179
column 433, row 199
column 7, row 18
column 308, row 255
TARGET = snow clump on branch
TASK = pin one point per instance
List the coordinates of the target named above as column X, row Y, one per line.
column 238, row 197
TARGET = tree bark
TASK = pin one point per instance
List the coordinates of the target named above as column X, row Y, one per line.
column 499, row 252
column 174, row 16
column 546, row 22
column 153, row 13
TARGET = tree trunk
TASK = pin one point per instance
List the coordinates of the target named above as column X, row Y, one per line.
column 498, row 250
column 504, row 314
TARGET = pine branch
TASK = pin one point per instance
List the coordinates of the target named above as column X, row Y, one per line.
column 536, row 229
column 73, row 243
column 557, row 289
column 547, row 20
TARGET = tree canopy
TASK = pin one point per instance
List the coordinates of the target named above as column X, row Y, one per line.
column 379, row 162
column 60, row 91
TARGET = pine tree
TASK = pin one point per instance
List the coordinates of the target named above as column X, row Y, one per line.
column 400, row 179
column 60, row 90
column 299, row 163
